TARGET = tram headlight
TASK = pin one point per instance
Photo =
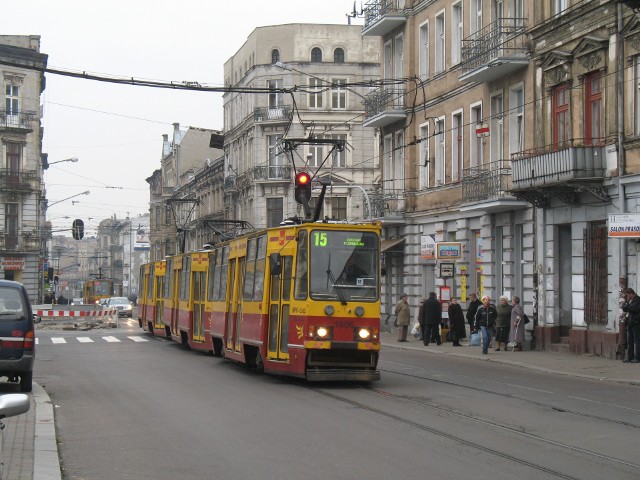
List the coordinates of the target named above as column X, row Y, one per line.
column 322, row 332
column 364, row 334
column 359, row 310
column 328, row 310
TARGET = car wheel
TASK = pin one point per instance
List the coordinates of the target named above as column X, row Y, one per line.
column 26, row 382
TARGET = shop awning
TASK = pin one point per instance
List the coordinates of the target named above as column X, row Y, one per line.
column 390, row 244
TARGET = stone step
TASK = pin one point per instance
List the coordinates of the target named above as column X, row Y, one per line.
column 564, row 340
column 560, row 347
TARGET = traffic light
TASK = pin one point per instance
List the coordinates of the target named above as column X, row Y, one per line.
column 77, row 229
column 303, row 188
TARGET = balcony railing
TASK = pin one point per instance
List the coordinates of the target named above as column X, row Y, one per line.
column 497, row 50
column 20, row 121
column 272, row 172
column 268, row 114
column 555, row 164
column 384, row 106
column 382, row 16
column 491, row 181
column 20, row 242
column 388, row 205
column 19, row 180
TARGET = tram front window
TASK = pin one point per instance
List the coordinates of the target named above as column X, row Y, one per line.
column 344, row 265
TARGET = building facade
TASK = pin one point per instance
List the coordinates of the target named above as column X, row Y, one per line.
column 510, row 143
column 299, row 81
column 22, row 200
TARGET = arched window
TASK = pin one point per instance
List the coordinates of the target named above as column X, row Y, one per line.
column 275, row 55
column 316, row 54
column 338, row 55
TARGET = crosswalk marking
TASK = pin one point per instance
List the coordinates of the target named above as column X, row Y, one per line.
column 112, row 339
column 138, row 339
column 85, row 340
column 58, row 340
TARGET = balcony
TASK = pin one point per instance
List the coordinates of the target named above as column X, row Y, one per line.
column 271, row 172
column 383, row 16
column 19, row 122
column 562, row 172
column 384, row 107
column 19, row 181
column 22, row 242
column 279, row 113
column 487, row 188
column 388, row 206
column 497, row 50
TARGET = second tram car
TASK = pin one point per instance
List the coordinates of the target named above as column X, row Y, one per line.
column 300, row 300
column 95, row 290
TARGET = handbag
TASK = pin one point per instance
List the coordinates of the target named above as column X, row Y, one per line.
column 474, row 339
column 526, row 319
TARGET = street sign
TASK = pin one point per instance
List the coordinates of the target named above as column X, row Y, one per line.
column 446, row 269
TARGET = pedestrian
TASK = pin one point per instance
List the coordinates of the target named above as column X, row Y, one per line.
column 432, row 319
column 421, row 319
column 632, row 307
column 503, row 321
column 456, row 322
column 485, row 320
column 516, row 335
column 403, row 317
column 474, row 303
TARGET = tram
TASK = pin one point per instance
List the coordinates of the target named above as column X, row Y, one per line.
column 300, row 300
column 95, row 290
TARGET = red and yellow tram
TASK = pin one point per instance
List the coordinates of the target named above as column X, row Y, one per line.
column 300, row 300
column 95, row 290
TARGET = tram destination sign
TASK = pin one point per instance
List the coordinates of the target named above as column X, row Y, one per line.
column 625, row 225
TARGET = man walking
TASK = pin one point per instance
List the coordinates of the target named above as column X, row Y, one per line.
column 432, row 319
column 403, row 316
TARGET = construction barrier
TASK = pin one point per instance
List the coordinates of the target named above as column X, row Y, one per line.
column 77, row 311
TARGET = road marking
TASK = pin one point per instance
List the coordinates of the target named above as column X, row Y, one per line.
column 58, row 340
column 528, row 388
column 138, row 339
column 85, row 340
column 112, row 339
column 602, row 403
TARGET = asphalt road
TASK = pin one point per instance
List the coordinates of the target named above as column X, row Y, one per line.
column 143, row 408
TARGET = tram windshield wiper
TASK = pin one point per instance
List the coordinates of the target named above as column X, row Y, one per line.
column 332, row 279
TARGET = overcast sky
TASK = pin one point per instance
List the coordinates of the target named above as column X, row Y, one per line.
column 116, row 131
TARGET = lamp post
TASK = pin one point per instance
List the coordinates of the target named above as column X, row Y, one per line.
column 48, row 164
column 72, row 196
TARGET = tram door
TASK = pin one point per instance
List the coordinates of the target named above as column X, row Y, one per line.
column 238, row 309
column 158, row 303
column 175, row 300
column 231, row 302
column 199, row 295
column 279, row 304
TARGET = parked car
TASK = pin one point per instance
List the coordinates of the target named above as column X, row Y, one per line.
column 122, row 304
column 76, row 301
column 17, row 334
column 11, row 404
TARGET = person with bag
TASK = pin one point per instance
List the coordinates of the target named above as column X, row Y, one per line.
column 503, row 323
column 474, row 303
column 516, row 335
column 419, row 327
column 403, row 315
column 485, row 320
column 632, row 308
column 432, row 319
column 456, row 322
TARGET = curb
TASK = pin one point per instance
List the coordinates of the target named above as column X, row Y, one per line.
column 46, row 464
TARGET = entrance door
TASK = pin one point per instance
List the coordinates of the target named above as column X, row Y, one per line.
column 231, row 303
column 159, row 303
column 279, row 303
column 175, row 301
column 198, row 305
column 565, row 292
column 238, row 317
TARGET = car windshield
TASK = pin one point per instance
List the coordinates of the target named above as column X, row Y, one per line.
column 118, row 301
column 11, row 305
column 344, row 265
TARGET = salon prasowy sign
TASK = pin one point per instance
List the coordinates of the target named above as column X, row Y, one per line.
column 448, row 250
column 626, row 225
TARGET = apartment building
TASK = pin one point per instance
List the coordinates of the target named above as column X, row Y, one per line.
column 299, row 81
column 509, row 142
column 22, row 196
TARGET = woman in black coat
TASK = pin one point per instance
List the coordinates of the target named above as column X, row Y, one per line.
column 456, row 322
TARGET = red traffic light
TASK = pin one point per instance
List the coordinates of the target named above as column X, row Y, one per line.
column 303, row 178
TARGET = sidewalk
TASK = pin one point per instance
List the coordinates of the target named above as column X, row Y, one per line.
column 584, row 366
column 31, row 450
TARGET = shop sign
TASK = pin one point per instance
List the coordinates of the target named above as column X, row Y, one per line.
column 427, row 247
column 448, row 250
column 12, row 263
column 626, row 225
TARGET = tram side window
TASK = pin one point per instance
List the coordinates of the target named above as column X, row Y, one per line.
column 212, row 277
column 302, row 267
column 152, row 275
column 249, row 269
column 223, row 273
column 184, row 278
column 168, row 279
column 286, row 280
column 261, row 262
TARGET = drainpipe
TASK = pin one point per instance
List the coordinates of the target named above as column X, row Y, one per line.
column 621, row 158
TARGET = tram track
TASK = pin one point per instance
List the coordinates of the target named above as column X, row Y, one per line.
column 469, row 443
column 519, row 398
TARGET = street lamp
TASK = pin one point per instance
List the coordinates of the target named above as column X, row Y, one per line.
column 72, row 196
column 48, row 164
